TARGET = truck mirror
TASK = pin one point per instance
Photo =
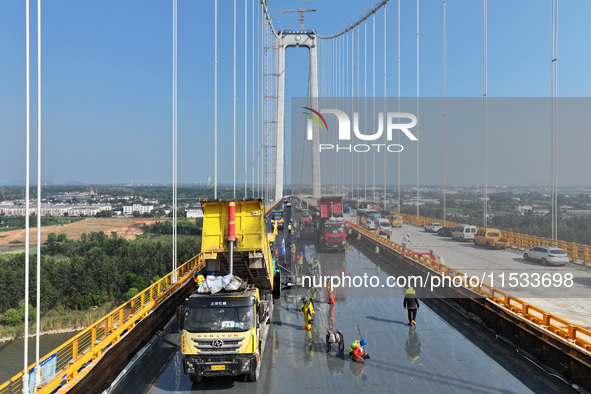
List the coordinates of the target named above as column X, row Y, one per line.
column 180, row 316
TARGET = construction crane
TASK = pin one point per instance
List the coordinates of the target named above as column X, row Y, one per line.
column 301, row 11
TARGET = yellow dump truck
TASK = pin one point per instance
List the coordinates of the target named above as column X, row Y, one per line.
column 395, row 220
column 277, row 217
column 223, row 332
column 490, row 238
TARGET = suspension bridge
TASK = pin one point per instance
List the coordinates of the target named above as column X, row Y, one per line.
column 351, row 138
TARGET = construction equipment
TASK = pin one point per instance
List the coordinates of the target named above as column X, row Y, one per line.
column 277, row 217
column 301, row 11
column 331, row 228
column 225, row 323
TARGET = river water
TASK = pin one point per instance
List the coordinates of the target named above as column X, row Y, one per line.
column 13, row 248
column 11, row 352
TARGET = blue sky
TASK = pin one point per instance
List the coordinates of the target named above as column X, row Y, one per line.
column 107, row 80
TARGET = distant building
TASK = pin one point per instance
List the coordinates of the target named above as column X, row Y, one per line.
column 194, row 212
column 55, row 209
column 137, row 206
column 524, row 208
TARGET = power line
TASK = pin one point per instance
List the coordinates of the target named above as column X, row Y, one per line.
column 444, row 112
column 39, row 212
column 245, row 98
column 418, row 110
column 385, row 106
column 27, row 197
column 234, row 106
column 215, row 104
column 484, row 111
column 399, row 189
column 174, row 137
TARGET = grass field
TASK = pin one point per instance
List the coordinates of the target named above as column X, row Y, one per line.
column 127, row 228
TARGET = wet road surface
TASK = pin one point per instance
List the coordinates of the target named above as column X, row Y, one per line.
column 445, row 353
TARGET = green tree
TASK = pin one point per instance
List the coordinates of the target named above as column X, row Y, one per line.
column 51, row 239
column 130, row 293
column 62, row 237
column 12, row 317
column 32, row 312
column 104, row 214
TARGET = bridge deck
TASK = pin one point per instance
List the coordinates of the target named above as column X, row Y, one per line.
column 454, row 354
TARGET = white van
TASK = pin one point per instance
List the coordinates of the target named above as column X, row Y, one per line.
column 464, row 232
column 371, row 226
column 383, row 225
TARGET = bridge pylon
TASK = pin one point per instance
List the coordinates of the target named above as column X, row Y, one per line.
column 286, row 40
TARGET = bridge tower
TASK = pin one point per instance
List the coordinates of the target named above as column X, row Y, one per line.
column 286, row 40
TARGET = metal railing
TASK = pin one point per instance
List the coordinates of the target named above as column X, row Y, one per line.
column 89, row 345
column 575, row 336
column 577, row 252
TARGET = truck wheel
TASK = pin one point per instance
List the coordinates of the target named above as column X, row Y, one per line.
column 196, row 378
column 253, row 375
column 487, row 245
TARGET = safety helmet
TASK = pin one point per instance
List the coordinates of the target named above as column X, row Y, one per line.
column 363, row 342
column 301, row 253
column 408, row 234
column 315, row 260
column 304, row 298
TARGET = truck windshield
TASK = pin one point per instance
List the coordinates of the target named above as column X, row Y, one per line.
column 373, row 215
column 219, row 319
column 335, row 228
column 304, row 212
column 277, row 215
column 398, row 218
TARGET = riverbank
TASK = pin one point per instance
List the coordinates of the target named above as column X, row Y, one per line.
column 50, row 332
column 57, row 321
column 11, row 352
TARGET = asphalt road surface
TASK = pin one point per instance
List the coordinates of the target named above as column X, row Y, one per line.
column 445, row 353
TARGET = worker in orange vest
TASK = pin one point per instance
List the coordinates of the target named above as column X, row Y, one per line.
column 329, row 290
column 199, row 279
column 309, row 313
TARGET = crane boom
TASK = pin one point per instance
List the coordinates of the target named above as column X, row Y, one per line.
column 301, row 11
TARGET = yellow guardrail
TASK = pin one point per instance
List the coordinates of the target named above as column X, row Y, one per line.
column 577, row 252
column 270, row 207
column 302, row 196
column 89, row 344
column 538, row 318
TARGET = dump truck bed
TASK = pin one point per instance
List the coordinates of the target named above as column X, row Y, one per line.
column 252, row 256
column 325, row 205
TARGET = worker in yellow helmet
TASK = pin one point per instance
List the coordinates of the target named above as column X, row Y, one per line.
column 411, row 304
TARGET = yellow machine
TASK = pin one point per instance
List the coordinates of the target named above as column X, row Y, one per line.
column 223, row 334
column 277, row 217
column 395, row 220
